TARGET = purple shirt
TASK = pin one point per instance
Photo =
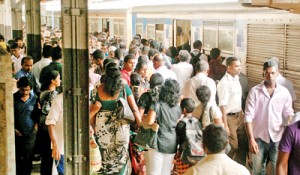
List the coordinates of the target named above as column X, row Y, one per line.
column 290, row 143
column 266, row 113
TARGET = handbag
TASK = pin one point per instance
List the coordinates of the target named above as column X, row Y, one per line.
column 123, row 108
column 95, row 155
column 147, row 136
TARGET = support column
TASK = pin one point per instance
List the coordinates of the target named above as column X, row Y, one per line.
column 2, row 16
column 75, row 86
column 8, row 20
column 7, row 130
column 16, row 20
column 33, row 28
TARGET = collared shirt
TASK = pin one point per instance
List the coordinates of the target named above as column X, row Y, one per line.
column 17, row 62
column 200, row 79
column 216, row 70
column 126, row 76
column 24, row 121
column 166, row 73
column 230, row 93
column 287, row 84
column 37, row 68
column 217, row 164
column 266, row 113
column 183, row 71
column 55, row 117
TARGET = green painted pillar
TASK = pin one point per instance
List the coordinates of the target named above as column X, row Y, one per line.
column 33, row 29
column 75, row 86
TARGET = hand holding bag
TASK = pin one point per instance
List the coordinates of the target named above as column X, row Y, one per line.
column 95, row 155
column 147, row 134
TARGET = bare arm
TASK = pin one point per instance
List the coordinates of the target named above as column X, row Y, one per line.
column 282, row 163
column 55, row 151
column 218, row 121
column 224, row 118
column 253, row 147
column 150, row 119
column 134, row 109
column 94, row 108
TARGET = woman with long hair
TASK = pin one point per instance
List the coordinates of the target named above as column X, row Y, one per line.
column 48, row 93
column 112, row 132
column 166, row 113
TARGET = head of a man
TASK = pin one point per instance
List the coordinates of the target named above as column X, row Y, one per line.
column 202, row 66
column 184, row 55
column 129, row 62
column 27, row 63
column 270, row 71
column 158, row 61
column 24, row 86
column 56, row 54
column 97, row 57
column 15, row 50
column 215, row 139
column 215, row 53
column 233, row 66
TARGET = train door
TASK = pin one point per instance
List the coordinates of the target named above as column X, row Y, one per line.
column 182, row 32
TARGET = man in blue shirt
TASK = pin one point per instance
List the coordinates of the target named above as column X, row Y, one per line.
column 26, row 124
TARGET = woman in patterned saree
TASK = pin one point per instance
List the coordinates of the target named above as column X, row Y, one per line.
column 112, row 132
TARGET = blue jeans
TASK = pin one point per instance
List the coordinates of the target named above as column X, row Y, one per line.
column 267, row 151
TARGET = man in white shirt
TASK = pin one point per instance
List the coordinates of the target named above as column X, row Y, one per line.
column 215, row 140
column 230, row 102
column 38, row 66
column 183, row 70
column 54, row 121
column 200, row 79
column 159, row 66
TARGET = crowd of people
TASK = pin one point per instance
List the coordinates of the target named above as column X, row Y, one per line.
column 241, row 130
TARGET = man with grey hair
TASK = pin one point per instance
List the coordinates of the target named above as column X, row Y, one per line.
column 183, row 70
column 200, row 79
column 268, row 105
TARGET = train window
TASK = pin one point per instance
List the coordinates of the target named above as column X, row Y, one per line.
column 218, row 34
column 210, row 38
column 151, row 31
column 119, row 28
column 139, row 29
column 183, row 29
column 159, row 32
column 226, row 40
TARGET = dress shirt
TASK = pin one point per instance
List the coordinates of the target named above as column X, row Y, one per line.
column 200, row 79
column 287, row 84
column 230, row 93
column 166, row 73
column 183, row 71
column 55, row 117
column 217, row 164
column 37, row 68
column 266, row 113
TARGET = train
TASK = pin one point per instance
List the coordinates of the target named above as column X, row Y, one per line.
column 250, row 32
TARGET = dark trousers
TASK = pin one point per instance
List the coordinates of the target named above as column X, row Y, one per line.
column 45, row 151
column 24, row 147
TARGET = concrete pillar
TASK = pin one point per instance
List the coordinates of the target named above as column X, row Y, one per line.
column 128, row 26
column 75, row 86
column 16, row 13
column 7, row 131
column 2, row 16
column 7, row 21
column 33, row 28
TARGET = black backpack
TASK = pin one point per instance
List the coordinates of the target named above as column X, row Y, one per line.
column 194, row 60
column 192, row 145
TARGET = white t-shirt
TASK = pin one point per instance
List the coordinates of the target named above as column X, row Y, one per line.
column 212, row 109
column 166, row 73
column 55, row 117
column 183, row 71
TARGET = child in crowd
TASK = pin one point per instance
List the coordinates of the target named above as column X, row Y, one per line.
column 136, row 88
column 181, row 164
